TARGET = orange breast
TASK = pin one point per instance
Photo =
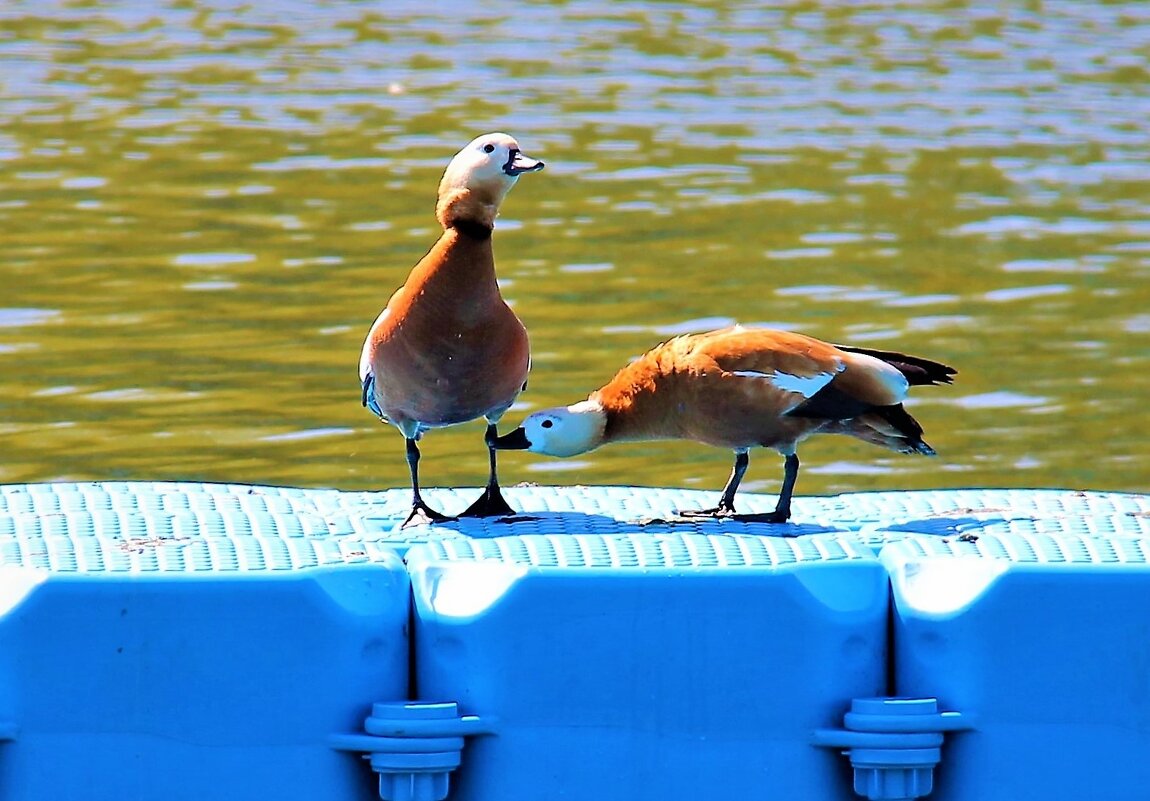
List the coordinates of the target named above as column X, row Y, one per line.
column 450, row 349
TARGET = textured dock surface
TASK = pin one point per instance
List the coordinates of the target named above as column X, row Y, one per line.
column 207, row 528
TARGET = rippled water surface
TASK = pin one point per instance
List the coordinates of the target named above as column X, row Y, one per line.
column 204, row 204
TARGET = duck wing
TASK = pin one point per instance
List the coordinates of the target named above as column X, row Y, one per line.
column 823, row 380
column 369, row 399
column 918, row 371
column 798, row 367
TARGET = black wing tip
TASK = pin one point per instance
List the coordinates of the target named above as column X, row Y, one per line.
column 918, row 371
column 944, row 376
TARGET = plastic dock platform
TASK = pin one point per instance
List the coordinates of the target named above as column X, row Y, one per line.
column 191, row 641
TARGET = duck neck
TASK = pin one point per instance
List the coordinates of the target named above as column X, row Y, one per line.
column 632, row 416
column 457, row 277
column 472, row 229
column 472, row 210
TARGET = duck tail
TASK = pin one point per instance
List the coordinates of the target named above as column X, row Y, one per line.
column 918, row 371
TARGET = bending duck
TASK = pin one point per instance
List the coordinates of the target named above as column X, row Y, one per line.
column 447, row 348
column 739, row 388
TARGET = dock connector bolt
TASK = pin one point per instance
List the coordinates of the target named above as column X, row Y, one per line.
column 893, row 745
column 413, row 746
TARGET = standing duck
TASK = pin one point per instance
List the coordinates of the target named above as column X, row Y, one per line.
column 447, row 348
column 739, row 388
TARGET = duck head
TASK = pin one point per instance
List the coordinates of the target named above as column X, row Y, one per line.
column 479, row 177
column 562, row 431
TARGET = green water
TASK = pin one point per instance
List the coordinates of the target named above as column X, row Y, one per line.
column 204, row 204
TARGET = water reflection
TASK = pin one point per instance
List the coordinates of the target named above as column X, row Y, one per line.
column 204, row 204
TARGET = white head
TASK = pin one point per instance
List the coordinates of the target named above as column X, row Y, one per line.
column 560, row 431
column 480, row 176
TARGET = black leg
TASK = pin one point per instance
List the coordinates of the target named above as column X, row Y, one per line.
column 491, row 502
column 726, row 507
column 420, row 512
column 782, row 511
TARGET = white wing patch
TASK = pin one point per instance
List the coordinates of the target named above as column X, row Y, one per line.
column 803, row 386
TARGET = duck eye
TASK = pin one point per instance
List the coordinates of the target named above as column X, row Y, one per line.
column 547, row 423
column 489, row 148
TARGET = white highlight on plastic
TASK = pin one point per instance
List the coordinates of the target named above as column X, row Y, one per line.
column 465, row 589
column 945, row 585
column 17, row 583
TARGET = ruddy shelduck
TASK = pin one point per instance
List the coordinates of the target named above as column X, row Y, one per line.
column 739, row 388
column 447, row 348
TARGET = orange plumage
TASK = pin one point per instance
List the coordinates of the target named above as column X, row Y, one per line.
column 740, row 388
column 447, row 348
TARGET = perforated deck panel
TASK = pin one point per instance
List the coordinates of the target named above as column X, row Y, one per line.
column 1072, row 550
column 146, row 628
column 206, row 528
column 648, row 551
column 886, row 516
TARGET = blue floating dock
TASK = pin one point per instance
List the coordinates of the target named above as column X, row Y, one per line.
column 1046, row 640
column 191, row 640
column 650, row 666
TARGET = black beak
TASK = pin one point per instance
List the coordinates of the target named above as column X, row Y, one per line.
column 513, row 441
column 518, row 163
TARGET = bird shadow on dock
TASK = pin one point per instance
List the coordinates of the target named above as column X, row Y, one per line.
column 582, row 523
column 963, row 529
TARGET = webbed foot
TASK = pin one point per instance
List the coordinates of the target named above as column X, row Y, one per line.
column 423, row 515
column 489, row 504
